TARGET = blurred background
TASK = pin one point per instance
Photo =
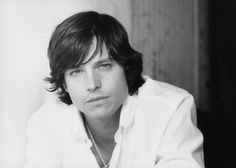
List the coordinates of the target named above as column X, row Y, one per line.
column 188, row 43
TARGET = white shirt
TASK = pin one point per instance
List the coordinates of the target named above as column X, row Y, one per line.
column 157, row 130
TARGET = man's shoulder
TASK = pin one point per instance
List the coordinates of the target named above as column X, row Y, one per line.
column 52, row 114
column 157, row 102
column 162, row 92
column 52, row 109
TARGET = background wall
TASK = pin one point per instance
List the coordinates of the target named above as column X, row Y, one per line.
column 220, row 124
column 166, row 31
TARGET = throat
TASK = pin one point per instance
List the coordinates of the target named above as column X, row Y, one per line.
column 102, row 147
column 101, row 132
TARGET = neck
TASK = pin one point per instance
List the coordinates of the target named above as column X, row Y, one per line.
column 104, row 130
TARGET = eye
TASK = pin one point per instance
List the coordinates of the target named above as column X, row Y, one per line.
column 76, row 72
column 106, row 66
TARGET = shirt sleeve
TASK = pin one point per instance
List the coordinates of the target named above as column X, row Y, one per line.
column 42, row 151
column 181, row 144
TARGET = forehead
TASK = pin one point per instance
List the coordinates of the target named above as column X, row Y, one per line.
column 96, row 53
column 93, row 51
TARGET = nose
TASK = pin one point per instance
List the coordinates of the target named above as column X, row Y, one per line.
column 93, row 82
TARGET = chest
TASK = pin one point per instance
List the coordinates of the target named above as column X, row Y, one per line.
column 131, row 151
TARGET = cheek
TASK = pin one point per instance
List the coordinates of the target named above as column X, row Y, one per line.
column 76, row 94
column 120, row 87
column 123, row 90
column 77, row 100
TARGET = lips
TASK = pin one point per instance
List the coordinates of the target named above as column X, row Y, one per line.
column 96, row 98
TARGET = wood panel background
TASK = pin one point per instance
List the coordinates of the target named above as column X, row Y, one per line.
column 166, row 32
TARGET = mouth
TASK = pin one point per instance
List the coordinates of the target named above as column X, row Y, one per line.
column 96, row 98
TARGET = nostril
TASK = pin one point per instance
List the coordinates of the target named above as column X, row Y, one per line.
column 93, row 85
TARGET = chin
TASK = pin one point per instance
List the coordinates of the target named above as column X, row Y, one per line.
column 97, row 113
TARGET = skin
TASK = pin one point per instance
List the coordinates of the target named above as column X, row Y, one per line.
column 98, row 89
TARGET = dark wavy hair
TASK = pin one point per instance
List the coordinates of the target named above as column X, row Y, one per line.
column 71, row 41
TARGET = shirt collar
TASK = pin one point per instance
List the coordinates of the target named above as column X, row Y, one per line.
column 127, row 112
column 78, row 129
column 132, row 103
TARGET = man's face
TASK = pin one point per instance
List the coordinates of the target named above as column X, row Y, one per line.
column 97, row 88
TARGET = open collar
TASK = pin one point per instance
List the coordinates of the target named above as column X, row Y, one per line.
column 78, row 128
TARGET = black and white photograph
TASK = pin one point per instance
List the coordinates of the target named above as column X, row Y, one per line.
column 117, row 84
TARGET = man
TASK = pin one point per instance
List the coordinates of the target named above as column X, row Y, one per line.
column 108, row 114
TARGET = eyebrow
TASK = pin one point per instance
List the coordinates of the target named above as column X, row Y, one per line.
column 103, row 60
